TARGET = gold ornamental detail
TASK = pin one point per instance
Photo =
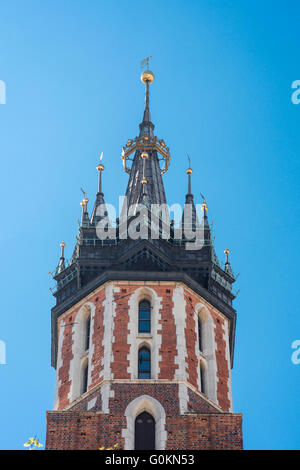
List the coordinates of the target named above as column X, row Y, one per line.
column 144, row 144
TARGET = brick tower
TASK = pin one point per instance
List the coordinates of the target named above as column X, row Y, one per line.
column 143, row 327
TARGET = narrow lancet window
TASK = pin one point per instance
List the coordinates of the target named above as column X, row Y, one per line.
column 87, row 333
column 144, row 363
column 144, row 317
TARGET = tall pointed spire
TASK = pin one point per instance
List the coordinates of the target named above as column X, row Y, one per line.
column 189, row 217
column 61, row 265
column 147, row 127
column 85, row 221
column 99, row 196
column 228, row 269
column 145, row 181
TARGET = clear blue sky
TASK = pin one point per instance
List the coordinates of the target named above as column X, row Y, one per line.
column 222, row 93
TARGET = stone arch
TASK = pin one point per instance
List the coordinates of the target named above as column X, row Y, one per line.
column 79, row 334
column 155, row 409
column 207, row 356
column 136, row 339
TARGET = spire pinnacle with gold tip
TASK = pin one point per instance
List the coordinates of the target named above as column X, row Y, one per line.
column 100, row 168
column 147, row 77
column 189, row 172
column 226, row 251
column 84, row 216
column 61, row 265
column 228, row 269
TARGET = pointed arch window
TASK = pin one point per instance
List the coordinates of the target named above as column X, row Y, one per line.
column 87, row 333
column 144, row 363
column 144, row 436
column 144, row 316
column 202, row 378
column 85, row 374
column 200, row 333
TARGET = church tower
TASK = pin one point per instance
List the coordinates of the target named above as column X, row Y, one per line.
column 143, row 327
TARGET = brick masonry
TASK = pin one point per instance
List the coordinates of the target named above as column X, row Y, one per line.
column 84, row 423
column 202, row 428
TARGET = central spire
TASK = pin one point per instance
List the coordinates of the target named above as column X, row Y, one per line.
column 145, row 181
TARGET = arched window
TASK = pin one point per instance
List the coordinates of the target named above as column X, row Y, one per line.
column 87, row 333
column 144, row 435
column 144, row 363
column 202, row 378
column 144, row 316
column 84, row 377
column 200, row 332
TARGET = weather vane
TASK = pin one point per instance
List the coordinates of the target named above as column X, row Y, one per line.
column 145, row 62
column 83, row 192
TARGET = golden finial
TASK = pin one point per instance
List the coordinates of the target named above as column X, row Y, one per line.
column 189, row 172
column 147, row 76
column 100, row 168
column 227, row 254
column 204, row 207
column 144, row 155
column 144, row 181
column 62, row 245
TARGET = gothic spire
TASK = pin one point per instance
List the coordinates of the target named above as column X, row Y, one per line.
column 189, row 217
column 145, row 173
column 99, row 197
column 85, row 221
column 61, row 265
column 146, row 126
column 228, row 269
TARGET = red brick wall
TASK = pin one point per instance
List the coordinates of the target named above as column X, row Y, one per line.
column 120, row 348
column 222, row 365
column 191, row 338
column 90, row 430
column 97, row 339
column 67, row 356
column 168, row 349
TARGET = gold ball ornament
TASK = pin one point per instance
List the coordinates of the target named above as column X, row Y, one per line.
column 147, row 76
